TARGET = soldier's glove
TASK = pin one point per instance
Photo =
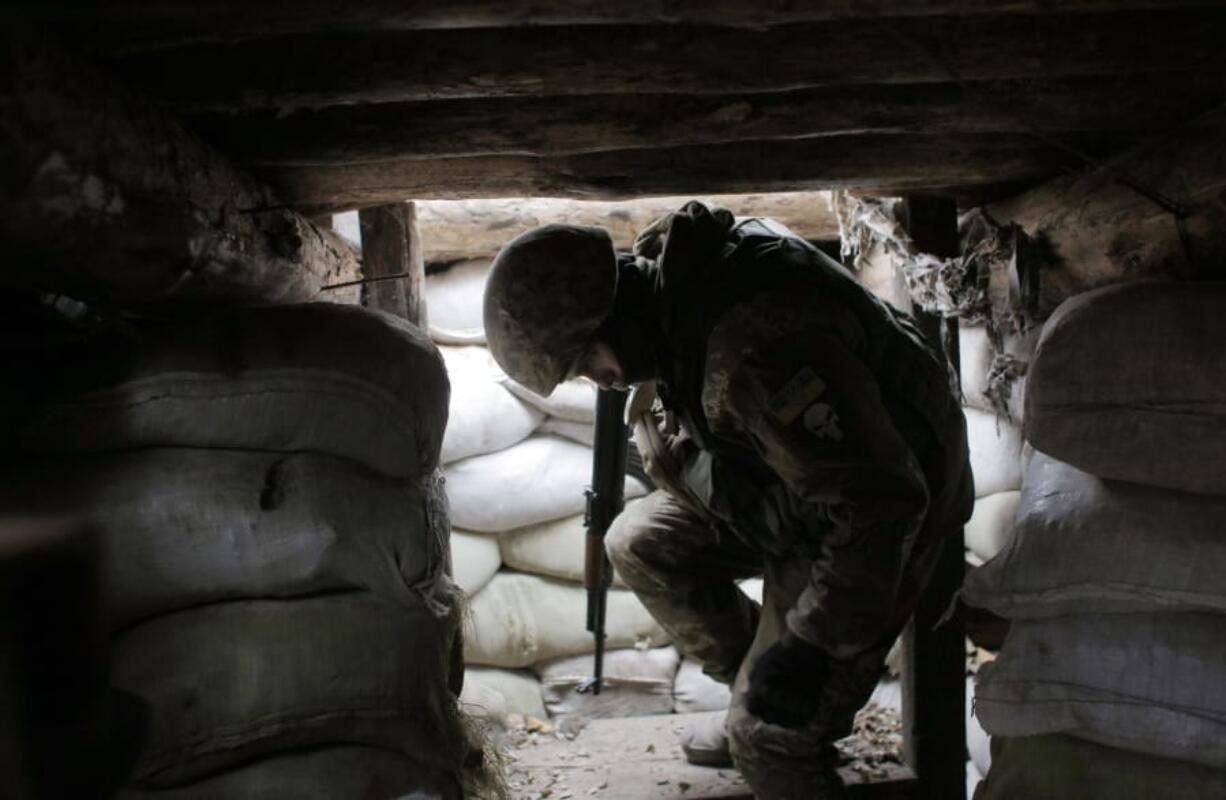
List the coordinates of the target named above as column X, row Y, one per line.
column 786, row 682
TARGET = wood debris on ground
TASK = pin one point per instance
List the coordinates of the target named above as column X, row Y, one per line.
column 875, row 745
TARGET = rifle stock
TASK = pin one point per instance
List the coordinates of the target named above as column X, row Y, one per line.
column 605, row 500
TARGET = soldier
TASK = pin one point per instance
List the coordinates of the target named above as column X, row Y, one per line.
column 807, row 434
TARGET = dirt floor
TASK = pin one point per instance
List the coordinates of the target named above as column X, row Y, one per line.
column 640, row 757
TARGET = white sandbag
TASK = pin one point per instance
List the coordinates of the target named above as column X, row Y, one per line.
column 492, row 693
column 474, row 560
column 352, row 773
column 975, row 355
column 1084, row 544
column 582, row 432
column 182, row 527
column 540, row 479
column 1129, row 382
column 975, row 359
column 694, row 690
column 318, row 378
column 483, row 416
column 518, row 620
column 573, row 400
column 990, row 527
column 455, row 300
column 1150, row 683
column 636, row 683
column 1063, row 768
column 555, row 548
column 996, row 452
column 230, row 682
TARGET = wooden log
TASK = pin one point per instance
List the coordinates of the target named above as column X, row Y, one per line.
column 1092, row 230
column 124, row 25
column 874, row 164
column 379, row 67
column 455, row 230
column 570, row 125
column 391, row 245
column 105, row 198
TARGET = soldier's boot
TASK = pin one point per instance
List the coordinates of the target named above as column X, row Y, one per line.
column 705, row 740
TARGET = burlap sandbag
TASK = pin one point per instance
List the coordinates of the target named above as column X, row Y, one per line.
column 636, row 683
column 554, row 549
column 182, row 527
column 540, row 479
column 230, row 682
column 1064, row 768
column 1129, row 382
column 1083, row 544
column 330, row 773
column 319, row 378
column 1150, row 683
column 518, row 620
column 494, row 693
column 483, row 417
column 475, row 560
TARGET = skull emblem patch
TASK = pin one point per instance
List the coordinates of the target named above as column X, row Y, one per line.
column 822, row 421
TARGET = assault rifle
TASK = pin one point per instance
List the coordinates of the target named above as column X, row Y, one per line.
column 605, row 499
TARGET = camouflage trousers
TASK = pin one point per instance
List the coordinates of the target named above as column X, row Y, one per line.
column 684, row 571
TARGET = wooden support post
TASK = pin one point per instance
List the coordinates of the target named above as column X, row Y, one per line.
column 391, row 249
column 934, row 658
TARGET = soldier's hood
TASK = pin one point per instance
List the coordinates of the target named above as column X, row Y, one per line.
column 684, row 242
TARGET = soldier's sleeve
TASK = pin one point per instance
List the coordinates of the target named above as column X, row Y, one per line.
column 814, row 413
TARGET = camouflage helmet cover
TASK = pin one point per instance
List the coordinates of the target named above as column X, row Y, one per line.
column 548, row 291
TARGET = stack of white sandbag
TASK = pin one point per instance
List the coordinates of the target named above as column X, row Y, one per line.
column 265, row 482
column 516, row 467
column 1113, row 577
column 995, row 439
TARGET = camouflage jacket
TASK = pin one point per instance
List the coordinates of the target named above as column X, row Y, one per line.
column 817, row 410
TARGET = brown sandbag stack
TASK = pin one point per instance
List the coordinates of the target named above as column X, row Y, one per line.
column 1115, row 660
column 266, row 482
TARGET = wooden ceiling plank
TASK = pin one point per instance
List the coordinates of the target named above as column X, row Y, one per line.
column 573, row 125
column 128, row 26
column 884, row 164
column 330, row 69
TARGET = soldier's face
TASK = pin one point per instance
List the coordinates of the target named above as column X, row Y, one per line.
column 600, row 365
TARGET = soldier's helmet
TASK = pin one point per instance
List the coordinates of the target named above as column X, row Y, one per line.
column 549, row 289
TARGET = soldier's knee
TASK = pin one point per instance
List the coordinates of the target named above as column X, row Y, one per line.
column 741, row 741
column 620, row 541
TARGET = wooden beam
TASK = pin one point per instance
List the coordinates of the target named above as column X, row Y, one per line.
column 879, row 164
column 103, row 197
column 325, row 69
column 391, row 245
column 934, row 652
column 570, row 125
column 454, row 230
column 1092, row 229
column 148, row 26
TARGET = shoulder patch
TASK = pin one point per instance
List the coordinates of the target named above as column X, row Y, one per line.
column 797, row 394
